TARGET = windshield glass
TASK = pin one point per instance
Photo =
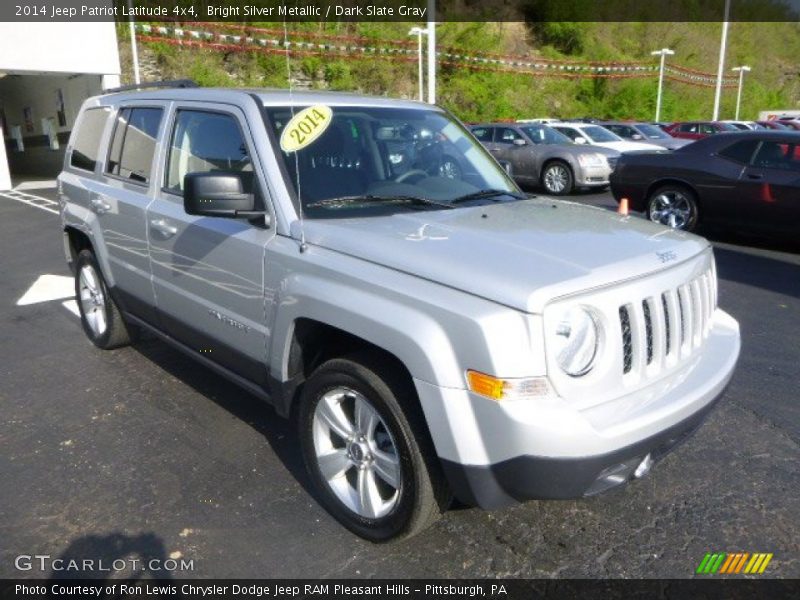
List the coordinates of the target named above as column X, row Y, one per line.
column 600, row 134
column 652, row 132
column 375, row 160
column 542, row 134
column 728, row 127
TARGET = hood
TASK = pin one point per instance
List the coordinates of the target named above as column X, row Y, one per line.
column 671, row 143
column 519, row 254
column 626, row 146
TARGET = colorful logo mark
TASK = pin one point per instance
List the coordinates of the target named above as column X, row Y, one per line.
column 731, row 563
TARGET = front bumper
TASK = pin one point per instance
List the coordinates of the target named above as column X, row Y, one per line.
column 592, row 176
column 495, row 454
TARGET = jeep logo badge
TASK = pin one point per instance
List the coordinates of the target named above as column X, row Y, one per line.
column 667, row 256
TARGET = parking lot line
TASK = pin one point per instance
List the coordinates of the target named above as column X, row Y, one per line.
column 50, row 206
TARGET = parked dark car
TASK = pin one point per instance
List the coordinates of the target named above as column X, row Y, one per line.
column 746, row 180
column 645, row 132
column 774, row 125
column 697, row 130
column 791, row 124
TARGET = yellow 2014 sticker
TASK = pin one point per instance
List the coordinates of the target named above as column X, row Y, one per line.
column 305, row 127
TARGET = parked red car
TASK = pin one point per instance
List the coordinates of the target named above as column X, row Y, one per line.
column 695, row 130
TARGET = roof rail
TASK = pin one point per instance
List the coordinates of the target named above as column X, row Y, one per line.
column 175, row 83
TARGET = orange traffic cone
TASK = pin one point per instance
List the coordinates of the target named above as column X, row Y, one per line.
column 623, row 206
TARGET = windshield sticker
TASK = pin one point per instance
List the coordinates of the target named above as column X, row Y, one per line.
column 306, row 127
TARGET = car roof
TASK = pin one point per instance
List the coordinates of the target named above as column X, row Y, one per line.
column 267, row 97
column 772, row 135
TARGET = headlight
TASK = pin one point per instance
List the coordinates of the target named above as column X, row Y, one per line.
column 576, row 341
column 592, row 160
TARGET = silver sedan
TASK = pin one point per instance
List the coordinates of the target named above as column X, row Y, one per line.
column 538, row 154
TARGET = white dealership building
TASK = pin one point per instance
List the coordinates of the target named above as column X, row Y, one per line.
column 46, row 71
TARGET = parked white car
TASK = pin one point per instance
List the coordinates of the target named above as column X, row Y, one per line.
column 595, row 135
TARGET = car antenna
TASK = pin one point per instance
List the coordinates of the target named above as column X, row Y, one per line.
column 286, row 46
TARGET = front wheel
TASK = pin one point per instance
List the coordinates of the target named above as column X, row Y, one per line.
column 368, row 456
column 557, row 178
column 674, row 206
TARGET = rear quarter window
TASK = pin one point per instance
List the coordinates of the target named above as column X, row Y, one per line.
column 740, row 152
column 86, row 148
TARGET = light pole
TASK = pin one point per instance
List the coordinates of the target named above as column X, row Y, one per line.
column 431, row 52
column 721, row 67
column 134, row 50
column 419, row 32
column 742, row 70
column 663, row 53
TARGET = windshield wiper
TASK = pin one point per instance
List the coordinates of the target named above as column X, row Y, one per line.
column 414, row 200
column 486, row 194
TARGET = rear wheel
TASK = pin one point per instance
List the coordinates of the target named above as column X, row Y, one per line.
column 674, row 206
column 367, row 452
column 557, row 178
column 101, row 318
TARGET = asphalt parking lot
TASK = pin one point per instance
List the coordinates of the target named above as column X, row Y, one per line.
column 140, row 452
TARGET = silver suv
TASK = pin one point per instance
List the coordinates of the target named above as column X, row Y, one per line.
column 368, row 269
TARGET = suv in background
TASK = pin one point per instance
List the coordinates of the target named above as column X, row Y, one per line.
column 540, row 155
column 431, row 334
column 645, row 132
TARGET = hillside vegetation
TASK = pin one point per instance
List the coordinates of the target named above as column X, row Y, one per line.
column 771, row 49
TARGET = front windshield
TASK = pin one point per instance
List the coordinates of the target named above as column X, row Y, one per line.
column 600, row 134
column 652, row 132
column 542, row 134
column 378, row 160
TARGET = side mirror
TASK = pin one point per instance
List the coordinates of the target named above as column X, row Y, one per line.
column 637, row 136
column 519, row 142
column 580, row 140
column 217, row 194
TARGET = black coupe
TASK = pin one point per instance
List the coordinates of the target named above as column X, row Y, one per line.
column 747, row 180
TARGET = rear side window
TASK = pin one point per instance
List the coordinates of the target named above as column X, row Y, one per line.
column 740, row 152
column 506, row 135
column 484, row 134
column 86, row 149
column 134, row 143
column 202, row 142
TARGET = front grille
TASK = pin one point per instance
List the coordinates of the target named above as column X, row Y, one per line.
column 666, row 326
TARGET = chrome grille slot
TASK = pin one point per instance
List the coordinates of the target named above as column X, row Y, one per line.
column 648, row 329
column 667, row 325
column 627, row 339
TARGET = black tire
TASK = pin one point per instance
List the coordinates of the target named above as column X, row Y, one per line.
column 682, row 197
column 560, row 171
column 116, row 332
column 422, row 494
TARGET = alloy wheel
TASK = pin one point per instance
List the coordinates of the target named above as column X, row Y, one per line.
column 93, row 300
column 356, row 453
column 555, row 178
column 671, row 208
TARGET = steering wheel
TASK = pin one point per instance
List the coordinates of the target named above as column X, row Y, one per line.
column 411, row 173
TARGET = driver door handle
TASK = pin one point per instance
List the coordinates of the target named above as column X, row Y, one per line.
column 163, row 227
